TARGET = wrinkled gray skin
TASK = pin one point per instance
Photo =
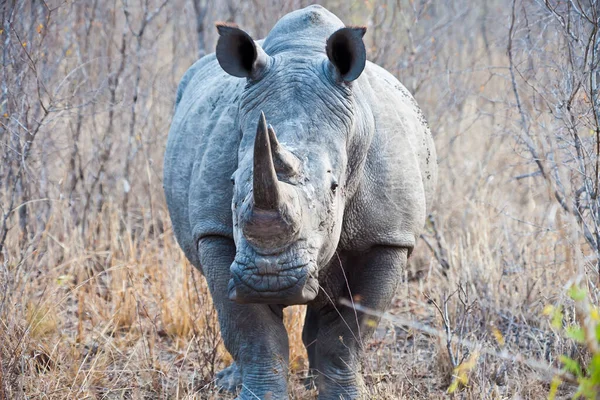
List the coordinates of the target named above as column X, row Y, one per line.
column 329, row 194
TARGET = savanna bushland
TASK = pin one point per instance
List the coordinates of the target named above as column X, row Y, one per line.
column 501, row 296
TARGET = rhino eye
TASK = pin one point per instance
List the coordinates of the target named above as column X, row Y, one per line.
column 232, row 179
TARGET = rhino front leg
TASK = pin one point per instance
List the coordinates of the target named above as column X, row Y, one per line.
column 254, row 334
column 230, row 378
column 309, row 338
column 342, row 333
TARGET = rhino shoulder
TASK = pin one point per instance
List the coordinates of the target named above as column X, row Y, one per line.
column 417, row 131
column 399, row 173
column 201, row 154
column 190, row 73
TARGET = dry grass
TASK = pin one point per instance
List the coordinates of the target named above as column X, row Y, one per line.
column 98, row 300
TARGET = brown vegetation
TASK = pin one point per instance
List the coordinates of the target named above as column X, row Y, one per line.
column 96, row 298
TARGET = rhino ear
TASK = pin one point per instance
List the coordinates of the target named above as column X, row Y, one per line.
column 238, row 54
column 346, row 51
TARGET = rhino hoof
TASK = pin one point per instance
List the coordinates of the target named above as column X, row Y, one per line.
column 229, row 379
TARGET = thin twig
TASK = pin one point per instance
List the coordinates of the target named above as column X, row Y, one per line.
column 533, row 363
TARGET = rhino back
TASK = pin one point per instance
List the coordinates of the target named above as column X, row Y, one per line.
column 400, row 170
column 201, row 155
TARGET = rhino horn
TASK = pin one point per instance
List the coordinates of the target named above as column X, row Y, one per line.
column 265, row 183
column 286, row 163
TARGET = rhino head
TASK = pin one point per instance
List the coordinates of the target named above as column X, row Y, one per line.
column 297, row 115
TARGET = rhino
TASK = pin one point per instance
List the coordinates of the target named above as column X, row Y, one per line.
column 297, row 172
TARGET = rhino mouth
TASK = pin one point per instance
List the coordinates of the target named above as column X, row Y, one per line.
column 273, row 280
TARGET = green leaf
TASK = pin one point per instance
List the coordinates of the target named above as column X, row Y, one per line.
column 554, row 388
column 577, row 293
column 587, row 389
column 453, row 386
column 593, row 369
column 576, row 333
column 557, row 317
column 571, row 366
